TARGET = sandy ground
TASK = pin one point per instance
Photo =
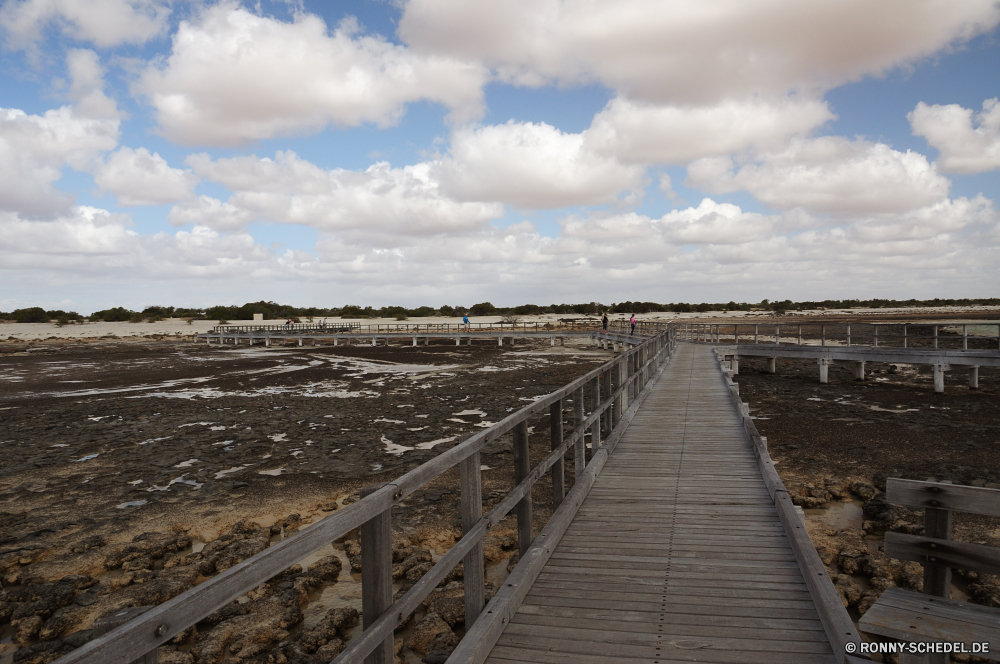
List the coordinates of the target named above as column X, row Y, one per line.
column 133, row 470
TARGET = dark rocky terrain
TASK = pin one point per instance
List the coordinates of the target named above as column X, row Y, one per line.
column 133, row 471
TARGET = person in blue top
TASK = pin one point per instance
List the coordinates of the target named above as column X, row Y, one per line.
column 465, row 322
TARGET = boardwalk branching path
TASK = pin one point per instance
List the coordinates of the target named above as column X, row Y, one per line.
column 677, row 554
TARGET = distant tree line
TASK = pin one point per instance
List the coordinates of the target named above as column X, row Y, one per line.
column 275, row 311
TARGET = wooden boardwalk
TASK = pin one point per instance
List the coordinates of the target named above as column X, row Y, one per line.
column 677, row 554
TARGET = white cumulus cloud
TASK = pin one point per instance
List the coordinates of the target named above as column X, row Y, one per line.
column 35, row 148
column 532, row 166
column 649, row 133
column 137, row 177
column 968, row 143
column 381, row 201
column 828, row 175
column 104, row 23
column 234, row 77
column 692, row 53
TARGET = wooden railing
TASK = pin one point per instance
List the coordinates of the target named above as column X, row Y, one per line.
column 290, row 328
column 612, row 387
column 876, row 335
column 932, row 615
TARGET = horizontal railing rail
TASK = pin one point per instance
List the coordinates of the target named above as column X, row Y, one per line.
column 581, row 325
column 965, row 336
column 613, row 387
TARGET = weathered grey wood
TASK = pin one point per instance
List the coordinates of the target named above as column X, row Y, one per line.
column 579, row 419
column 480, row 639
column 556, row 439
column 919, row 495
column 677, row 527
column 608, row 394
column 910, row 616
column 522, row 466
column 473, row 563
column 105, row 625
column 937, row 577
column 376, row 575
column 978, row 557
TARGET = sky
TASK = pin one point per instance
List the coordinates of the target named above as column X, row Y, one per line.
column 431, row 152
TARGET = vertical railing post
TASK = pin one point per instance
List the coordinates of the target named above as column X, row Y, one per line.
column 376, row 575
column 848, row 335
column 965, row 337
column 522, row 466
column 595, row 427
column 904, row 336
column 935, row 336
column 473, row 563
column 556, row 439
column 579, row 414
column 822, row 335
column 606, row 417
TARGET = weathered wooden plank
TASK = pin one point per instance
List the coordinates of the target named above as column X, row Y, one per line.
column 962, row 555
column 975, row 500
column 911, row 616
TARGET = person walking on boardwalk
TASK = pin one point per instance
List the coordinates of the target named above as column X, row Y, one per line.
column 465, row 322
column 632, row 323
column 604, row 322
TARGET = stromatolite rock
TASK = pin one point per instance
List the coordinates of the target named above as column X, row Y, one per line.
column 415, row 558
column 431, row 629
column 863, row 490
column 848, row 590
column 331, row 628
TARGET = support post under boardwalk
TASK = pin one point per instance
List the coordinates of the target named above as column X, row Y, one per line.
column 376, row 576
column 522, row 466
column 558, row 468
column 973, row 378
column 824, row 370
column 939, row 370
column 472, row 512
column 859, row 371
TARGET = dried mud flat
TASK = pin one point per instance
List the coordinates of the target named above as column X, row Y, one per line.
column 834, row 445
column 134, row 470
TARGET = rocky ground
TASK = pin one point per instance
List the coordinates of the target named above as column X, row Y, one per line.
column 834, row 445
column 134, row 470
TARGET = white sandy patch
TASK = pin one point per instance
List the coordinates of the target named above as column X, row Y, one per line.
column 388, row 421
column 471, row 412
column 272, row 473
column 154, row 440
column 235, row 469
column 187, row 464
column 279, row 437
column 86, row 458
column 393, row 448
column 431, row 444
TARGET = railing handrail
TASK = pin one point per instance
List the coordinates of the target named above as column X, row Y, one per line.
column 158, row 625
column 877, row 334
